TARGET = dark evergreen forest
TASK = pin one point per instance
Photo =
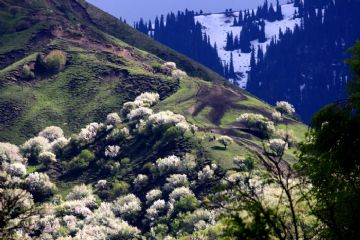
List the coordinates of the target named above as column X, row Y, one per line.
column 306, row 66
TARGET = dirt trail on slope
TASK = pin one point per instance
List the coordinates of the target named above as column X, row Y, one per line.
column 219, row 98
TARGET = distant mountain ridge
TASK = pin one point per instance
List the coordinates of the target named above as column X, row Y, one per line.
column 255, row 45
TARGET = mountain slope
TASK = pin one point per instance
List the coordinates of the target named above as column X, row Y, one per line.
column 123, row 145
column 102, row 72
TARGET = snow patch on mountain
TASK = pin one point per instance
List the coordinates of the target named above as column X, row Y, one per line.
column 218, row 25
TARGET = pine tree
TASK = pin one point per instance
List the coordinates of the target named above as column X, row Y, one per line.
column 231, row 67
column 40, row 65
column 252, row 58
column 279, row 14
column 262, row 36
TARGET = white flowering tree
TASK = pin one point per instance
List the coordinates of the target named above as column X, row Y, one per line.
column 168, row 164
column 225, row 141
column 257, row 122
column 113, row 119
column 34, row 146
column 112, row 151
column 127, row 206
column 52, row 133
column 178, row 74
column 285, row 108
column 89, row 133
column 39, row 185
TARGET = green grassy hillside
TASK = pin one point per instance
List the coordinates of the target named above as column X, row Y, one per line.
column 68, row 64
column 102, row 72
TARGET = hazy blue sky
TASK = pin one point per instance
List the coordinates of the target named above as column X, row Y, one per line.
column 132, row 10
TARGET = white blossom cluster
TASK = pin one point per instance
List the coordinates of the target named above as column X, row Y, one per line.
column 139, row 113
column 78, row 208
column 225, row 140
column 158, row 207
column 128, row 205
column 170, row 65
column 143, row 101
column 11, row 161
column 277, row 116
column 257, row 121
column 113, row 119
column 141, row 180
column 180, row 192
column 175, row 181
column 72, row 223
column 88, row 134
column 168, row 164
column 34, row 146
column 148, row 99
column 202, row 218
column 52, row 133
column 153, row 195
column 112, row 151
column 39, row 183
column 80, row 192
column 207, row 173
column 166, row 119
column 235, row 178
column 48, row 225
column 117, row 133
column 178, row 74
column 16, row 169
column 58, row 144
column 47, row 157
column 278, row 146
column 101, row 184
column 46, row 145
column 285, row 108
column 10, row 153
column 103, row 224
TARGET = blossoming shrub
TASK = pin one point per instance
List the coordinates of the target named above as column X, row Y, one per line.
column 257, row 122
column 47, row 158
column 153, row 195
column 10, row 153
column 112, row 151
column 52, row 133
column 225, row 141
column 285, row 108
column 88, row 134
column 168, row 164
column 39, row 185
column 33, row 147
column 175, row 181
column 113, row 119
column 126, row 206
column 278, row 146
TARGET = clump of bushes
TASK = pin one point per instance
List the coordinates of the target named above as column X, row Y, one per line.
column 225, row 141
column 80, row 162
column 285, row 108
column 257, row 122
column 55, row 60
column 27, row 73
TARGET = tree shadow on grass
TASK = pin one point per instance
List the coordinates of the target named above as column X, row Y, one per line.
column 218, row 148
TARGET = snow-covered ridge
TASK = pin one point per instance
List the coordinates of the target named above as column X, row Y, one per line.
column 218, row 25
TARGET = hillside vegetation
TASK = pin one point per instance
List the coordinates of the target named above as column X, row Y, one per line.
column 102, row 137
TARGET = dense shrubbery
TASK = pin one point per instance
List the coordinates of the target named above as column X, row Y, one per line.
column 27, row 73
column 257, row 122
column 55, row 60
column 136, row 193
column 80, row 162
